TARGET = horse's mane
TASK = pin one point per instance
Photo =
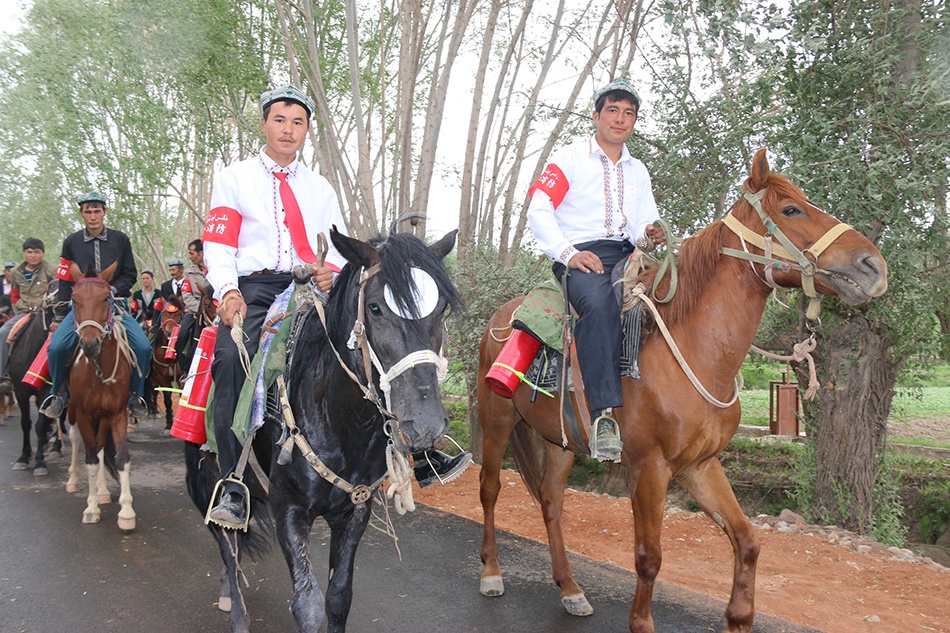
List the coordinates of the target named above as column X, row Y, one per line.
column 91, row 271
column 176, row 301
column 700, row 253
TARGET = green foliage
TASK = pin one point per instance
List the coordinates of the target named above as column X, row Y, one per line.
column 886, row 525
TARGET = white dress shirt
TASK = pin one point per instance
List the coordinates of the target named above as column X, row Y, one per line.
column 596, row 199
column 246, row 231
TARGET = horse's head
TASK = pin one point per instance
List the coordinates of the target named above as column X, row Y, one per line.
column 822, row 255
column 171, row 314
column 93, row 307
column 404, row 291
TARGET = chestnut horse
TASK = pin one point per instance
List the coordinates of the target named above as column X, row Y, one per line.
column 669, row 430
column 165, row 373
column 99, row 387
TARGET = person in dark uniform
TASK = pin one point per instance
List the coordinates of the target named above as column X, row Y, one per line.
column 101, row 247
column 145, row 299
column 172, row 287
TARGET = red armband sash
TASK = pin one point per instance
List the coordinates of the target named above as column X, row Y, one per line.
column 223, row 227
column 553, row 183
column 14, row 296
column 186, row 286
column 63, row 271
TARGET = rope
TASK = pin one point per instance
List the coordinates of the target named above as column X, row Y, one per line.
column 800, row 351
column 237, row 335
column 639, row 291
column 400, row 480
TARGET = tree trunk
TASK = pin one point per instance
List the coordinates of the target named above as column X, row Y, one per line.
column 858, row 373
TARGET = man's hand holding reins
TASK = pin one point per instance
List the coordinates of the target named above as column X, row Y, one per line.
column 231, row 303
column 656, row 234
column 323, row 278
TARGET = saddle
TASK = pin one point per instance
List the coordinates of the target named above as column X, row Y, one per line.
column 18, row 327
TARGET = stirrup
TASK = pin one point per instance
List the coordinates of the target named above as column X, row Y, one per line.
column 230, row 484
column 610, row 447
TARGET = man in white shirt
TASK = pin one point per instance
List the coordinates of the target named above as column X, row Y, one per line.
column 250, row 257
column 588, row 209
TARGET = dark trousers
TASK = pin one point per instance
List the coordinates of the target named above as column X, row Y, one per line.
column 187, row 340
column 226, row 371
column 597, row 330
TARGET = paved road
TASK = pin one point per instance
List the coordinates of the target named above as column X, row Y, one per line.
column 58, row 575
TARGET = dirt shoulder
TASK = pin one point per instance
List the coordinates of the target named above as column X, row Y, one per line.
column 819, row 577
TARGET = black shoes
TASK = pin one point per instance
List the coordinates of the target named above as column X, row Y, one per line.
column 435, row 466
column 233, row 509
column 137, row 407
column 6, row 384
column 605, row 443
column 53, row 406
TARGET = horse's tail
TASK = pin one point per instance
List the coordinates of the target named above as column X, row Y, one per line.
column 527, row 448
column 201, row 475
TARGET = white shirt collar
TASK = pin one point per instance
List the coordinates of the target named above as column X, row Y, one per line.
column 595, row 148
column 270, row 166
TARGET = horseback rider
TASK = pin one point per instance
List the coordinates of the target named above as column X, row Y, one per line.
column 592, row 204
column 28, row 285
column 266, row 213
column 145, row 299
column 98, row 246
column 194, row 288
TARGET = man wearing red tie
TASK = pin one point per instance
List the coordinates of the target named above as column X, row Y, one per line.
column 266, row 214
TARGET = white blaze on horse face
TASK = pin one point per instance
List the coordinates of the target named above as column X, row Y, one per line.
column 425, row 294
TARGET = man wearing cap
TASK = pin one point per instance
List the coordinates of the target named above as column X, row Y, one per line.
column 29, row 283
column 266, row 214
column 172, row 287
column 8, row 277
column 98, row 246
column 592, row 204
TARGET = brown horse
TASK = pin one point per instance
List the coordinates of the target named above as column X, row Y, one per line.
column 166, row 373
column 669, row 430
column 99, row 380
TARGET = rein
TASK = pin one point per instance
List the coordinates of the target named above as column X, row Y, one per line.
column 111, row 326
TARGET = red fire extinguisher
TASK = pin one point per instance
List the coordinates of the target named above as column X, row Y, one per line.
column 507, row 371
column 172, row 341
column 38, row 373
column 189, row 422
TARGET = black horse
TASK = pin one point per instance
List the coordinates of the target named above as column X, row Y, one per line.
column 27, row 345
column 396, row 292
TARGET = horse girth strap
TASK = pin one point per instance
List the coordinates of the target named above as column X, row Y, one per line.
column 359, row 493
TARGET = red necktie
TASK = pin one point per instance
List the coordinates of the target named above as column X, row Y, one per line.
column 293, row 219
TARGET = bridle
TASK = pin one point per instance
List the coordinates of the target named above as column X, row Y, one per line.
column 359, row 341
column 784, row 256
column 106, row 328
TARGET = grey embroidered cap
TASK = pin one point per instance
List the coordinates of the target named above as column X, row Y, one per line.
column 288, row 92
column 618, row 84
column 175, row 262
column 92, row 196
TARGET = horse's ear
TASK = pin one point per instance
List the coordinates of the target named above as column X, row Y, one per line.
column 444, row 246
column 75, row 272
column 353, row 250
column 760, row 172
column 108, row 272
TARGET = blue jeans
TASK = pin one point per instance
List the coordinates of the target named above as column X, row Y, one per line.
column 64, row 342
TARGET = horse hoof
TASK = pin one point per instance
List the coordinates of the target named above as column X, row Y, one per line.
column 577, row 605
column 91, row 517
column 40, row 471
column 105, row 499
column 126, row 525
column 21, row 465
column 491, row 586
column 72, row 488
column 224, row 604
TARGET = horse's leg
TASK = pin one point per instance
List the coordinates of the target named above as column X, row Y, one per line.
column 123, row 463
column 42, row 437
column 344, row 539
column 94, row 470
column 709, row 486
column 26, row 425
column 105, row 497
column 648, row 495
column 72, row 485
column 293, row 534
column 168, row 410
column 557, row 467
column 497, row 420
column 230, row 555
column 224, row 592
